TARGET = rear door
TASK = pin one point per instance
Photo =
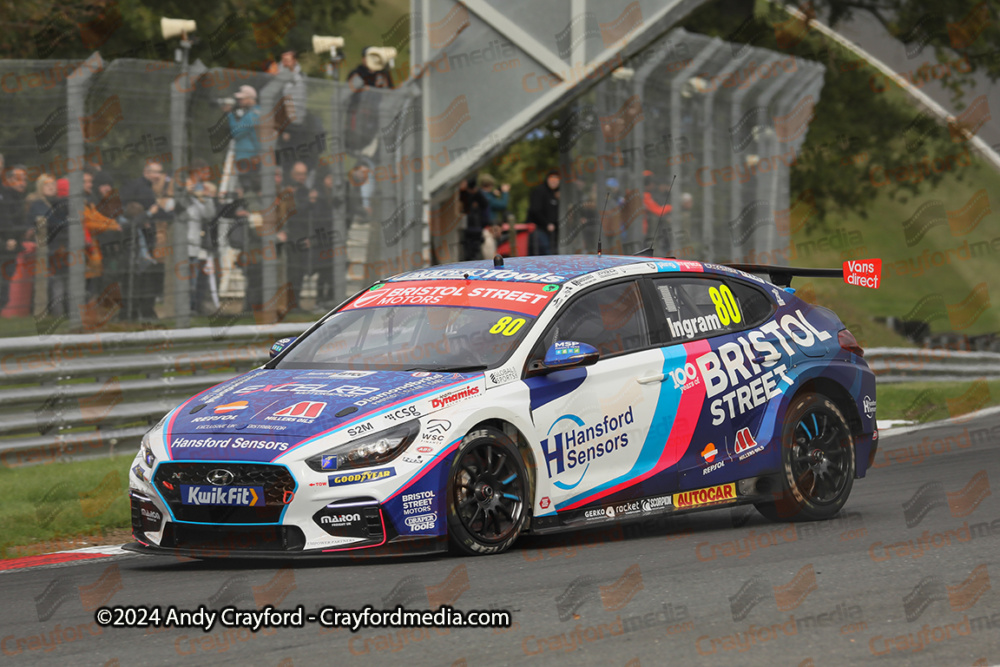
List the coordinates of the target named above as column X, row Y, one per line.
column 721, row 367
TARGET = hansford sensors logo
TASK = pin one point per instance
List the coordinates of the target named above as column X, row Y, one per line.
column 582, row 444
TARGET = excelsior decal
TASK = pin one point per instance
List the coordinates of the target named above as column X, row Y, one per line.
column 525, row 298
column 709, row 496
column 567, row 450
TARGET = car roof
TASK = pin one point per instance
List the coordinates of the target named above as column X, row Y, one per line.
column 553, row 269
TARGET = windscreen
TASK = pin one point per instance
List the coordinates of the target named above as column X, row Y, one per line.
column 436, row 325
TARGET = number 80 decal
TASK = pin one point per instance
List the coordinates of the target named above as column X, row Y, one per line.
column 507, row 326
column 725, row 305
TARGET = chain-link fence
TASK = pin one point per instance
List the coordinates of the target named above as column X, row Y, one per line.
column 687, row 148
column 146, row 191
column 150, row 192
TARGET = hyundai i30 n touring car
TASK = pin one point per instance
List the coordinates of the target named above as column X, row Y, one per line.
column 471, row 403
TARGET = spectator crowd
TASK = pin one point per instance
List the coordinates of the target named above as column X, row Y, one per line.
column 129, row 221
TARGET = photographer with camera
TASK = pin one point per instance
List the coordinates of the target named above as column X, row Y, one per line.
column 243, row 122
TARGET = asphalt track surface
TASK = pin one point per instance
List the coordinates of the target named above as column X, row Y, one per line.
column 721, row 587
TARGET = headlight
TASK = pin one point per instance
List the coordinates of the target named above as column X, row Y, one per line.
column 146, row 453
column 370, row 450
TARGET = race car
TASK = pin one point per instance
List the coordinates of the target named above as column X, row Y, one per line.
column 464, row 405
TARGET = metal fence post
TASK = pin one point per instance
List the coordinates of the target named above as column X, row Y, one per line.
column 76, row 94
column 174, row 285
column 269, row 97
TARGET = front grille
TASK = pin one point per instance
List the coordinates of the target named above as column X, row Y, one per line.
column 233, row 539
column 276, row 480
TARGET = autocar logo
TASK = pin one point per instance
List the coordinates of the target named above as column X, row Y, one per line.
column 230, row 407
column 709, row 453
column 220, row 477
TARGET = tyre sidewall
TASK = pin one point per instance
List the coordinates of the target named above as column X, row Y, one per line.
column 793, row 505
column 461, row 539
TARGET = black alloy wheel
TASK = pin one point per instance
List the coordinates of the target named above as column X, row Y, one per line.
column 487, row 493
column 817, row 462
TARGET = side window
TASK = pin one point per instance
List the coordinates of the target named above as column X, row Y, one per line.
column 702, row 307
column 610, row 318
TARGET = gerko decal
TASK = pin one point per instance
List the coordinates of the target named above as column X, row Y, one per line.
column 581, row 444
column 525, row 298
column 863, row 272
column 709, row 496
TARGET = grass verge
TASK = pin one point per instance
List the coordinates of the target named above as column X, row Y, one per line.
column 930, row 401
column 63, row 505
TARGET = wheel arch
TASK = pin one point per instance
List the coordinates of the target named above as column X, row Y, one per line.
column 527, row 456
column 840, row 396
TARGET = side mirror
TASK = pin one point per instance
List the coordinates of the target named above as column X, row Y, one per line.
column 280, row 345
column 570, row 354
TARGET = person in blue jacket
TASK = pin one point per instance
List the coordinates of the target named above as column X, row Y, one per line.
column 243, row 122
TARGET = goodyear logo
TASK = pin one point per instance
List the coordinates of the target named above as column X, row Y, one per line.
column 361, row 476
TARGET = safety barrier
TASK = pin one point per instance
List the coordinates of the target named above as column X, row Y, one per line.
column 74, row 396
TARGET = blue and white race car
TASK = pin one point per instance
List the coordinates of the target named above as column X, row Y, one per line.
column 471, row 403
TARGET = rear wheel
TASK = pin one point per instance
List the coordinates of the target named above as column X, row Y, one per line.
column 817, row 462
column 487, row 493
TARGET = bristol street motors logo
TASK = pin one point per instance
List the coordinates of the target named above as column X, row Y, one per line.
column 581, row 444
column 303, row 412
column 230, row 407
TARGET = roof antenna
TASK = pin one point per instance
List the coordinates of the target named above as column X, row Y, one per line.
column 600, row 232
column 648, row 252
column 497, row 260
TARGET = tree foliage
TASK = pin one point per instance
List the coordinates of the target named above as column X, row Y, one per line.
column 239, row 33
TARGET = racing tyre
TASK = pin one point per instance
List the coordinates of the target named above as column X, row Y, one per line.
column 487, row 493
column 817, row 457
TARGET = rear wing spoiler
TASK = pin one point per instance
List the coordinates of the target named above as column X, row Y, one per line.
column 782, row 275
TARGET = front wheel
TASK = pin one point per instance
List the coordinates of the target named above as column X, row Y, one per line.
column 487, row 494
column 817, row 462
